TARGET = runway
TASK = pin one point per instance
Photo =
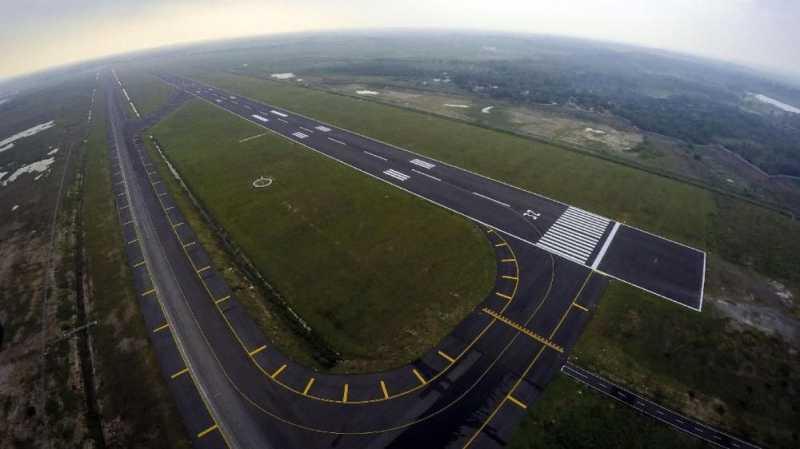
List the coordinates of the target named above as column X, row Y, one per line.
column 234, row 389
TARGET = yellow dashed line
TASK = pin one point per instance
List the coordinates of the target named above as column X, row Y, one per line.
column 489, row 230
column 308, row 386
column 137, row 265
column 257, row 350
column 524, row 330
column 419, row 376
column 513, row 278
column 508, row 260
column 580, row 307
column 161, row 328
column 152, row 290
column 384, row 390
column 180, row 373
column 222, row 299
column 189, row 244
column 503, row 296
column 176, row 225
column 204, row 268
column 345, row 392
column 207, row 431
column 517, row 402
column 278, row 371
column 127, row 223
column 446, row 357
column 501, row 244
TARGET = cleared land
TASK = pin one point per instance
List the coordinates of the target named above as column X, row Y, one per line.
column 379, row 274
column 136, row 406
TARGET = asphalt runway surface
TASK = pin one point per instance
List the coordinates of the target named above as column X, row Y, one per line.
column 234, row 389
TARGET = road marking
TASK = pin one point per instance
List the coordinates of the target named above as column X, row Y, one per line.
column 517, row 402
column 300, row 135
column 324, row 129
column 524, row 330
column 155, row 182
column 308, row 386
column 279, row 114
column 446, row 357
column 180, row 373
column 419, row 376
column 124, row 207
column 257, row 350
column 222, row 299
column 501, row 244
column 139, row 264
column 491, row 199
column 424, row 164
column 278, row 371
column 152, row 290
column 426, row 175
column 260, row 118
column 161, row 328
column 284, row 121
column 203, row 269
column 207, row 431
column 375, row 155
column 189, row 244
column 344, row 392
column 512, row 278
column 580, row 307
column 396, row 175
column 508, row 260
column 504, row 296
column 385, row 390
column 336, row 141
column 605, row 246
column 176, row 225
column 121, row 194
column 306, row 130
column 132, row 241
column 162, row 194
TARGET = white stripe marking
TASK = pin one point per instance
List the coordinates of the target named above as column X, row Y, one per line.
column 606, row 244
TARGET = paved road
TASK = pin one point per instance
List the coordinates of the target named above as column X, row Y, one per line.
column 663, row 267
column 234, row 389
column 650, row 408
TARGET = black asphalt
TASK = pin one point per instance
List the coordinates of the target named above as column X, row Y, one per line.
column 650, row 408
column 470, row 390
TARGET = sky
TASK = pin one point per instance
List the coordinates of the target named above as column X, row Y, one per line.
column 36, row 34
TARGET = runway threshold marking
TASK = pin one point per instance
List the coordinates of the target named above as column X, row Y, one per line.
column 257, row 350
column 524, row 330
column 491, row 199
column 180, row 373
column 446, row 357
column 384, row 390
column 308, row 386
column 419, row 376
column 336, row 141
column 278, row 371
column 207, row 431
column 517, row 402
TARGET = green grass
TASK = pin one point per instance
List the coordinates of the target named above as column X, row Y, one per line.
column 145, row 89
column 131, row 389
column 571, row 416
column 658, row 204
column 379, row 274
column 743, row 381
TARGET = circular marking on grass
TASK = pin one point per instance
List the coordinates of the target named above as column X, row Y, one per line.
column 262, row 181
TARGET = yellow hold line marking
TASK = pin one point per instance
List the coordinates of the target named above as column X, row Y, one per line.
column 161, row 328
column 524, row 330
column 344, row 393
column 504, row 296
column 517, row 402
column 207, row 431
column 278, row 371
column 447, row 357
column 308, row 386
column 419, row 376
column 152, row 290
column 257, row 350
column 180, row 373
column 222, row 299
column 580, row 307
column 385, row 390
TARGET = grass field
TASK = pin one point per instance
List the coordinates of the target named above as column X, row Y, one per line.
column 136, row 406
column 571, row 416
column 145, row 89
column 380, row 275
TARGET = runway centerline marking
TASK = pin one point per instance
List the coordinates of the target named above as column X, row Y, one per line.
column 152, row 290
column 336, row 141
column 426, row 175
column 491, row 199
column 375, row 155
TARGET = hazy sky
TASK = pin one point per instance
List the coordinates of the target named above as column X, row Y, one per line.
column 35, row 34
